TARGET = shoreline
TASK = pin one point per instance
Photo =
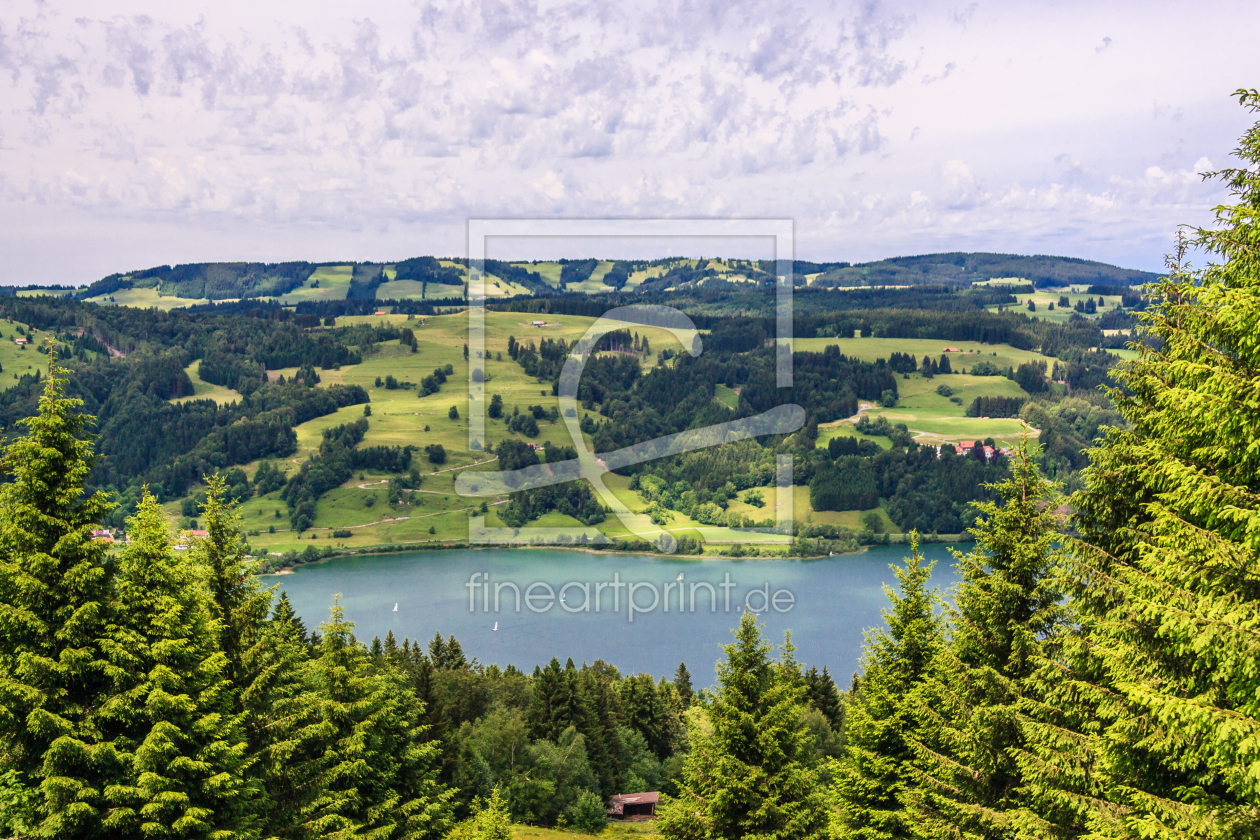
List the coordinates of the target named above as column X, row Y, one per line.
column 384, row 550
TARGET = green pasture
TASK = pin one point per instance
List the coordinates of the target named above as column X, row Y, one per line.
column 935, row 419
column 328, row 282
column 870, row 349
column 415, row 290
column 1042, row 298
column 203, row 390
column 549, row 271
column 16, row 360
column 146, row 299
column 400, row 417
column 844, row 428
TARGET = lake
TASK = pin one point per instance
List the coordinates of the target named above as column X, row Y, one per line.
column 573, row 604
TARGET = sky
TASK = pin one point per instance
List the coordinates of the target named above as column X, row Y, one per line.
column 136, row 133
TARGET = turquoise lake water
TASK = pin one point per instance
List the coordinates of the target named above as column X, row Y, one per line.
column 826, row 604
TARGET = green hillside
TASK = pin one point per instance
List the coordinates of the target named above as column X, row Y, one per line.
column 963, row 268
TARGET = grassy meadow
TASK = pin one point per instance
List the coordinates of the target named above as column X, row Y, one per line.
column 436, row 513
column 203, row 390
column 870, row 349
column 146, row 299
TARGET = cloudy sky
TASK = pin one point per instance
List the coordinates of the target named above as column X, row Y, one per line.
column 142, row 133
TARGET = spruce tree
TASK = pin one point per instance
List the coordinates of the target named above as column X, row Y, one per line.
column 382, row 781
column 241, row 605
column 682, row 682
column 871, row 776
column 171, row 716
column 753, row 776
column 55, row 587
column 289, row 741
column 1166, row 579
column 602, row 741
column 967, row 779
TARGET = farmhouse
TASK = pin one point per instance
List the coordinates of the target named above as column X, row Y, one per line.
column 21, row 339
column 538, row 323
column 633, row 806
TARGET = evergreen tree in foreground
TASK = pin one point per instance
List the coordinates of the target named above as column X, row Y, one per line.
column 240, row 604
column 383, row 779
column 55, row 588
column 753, row 775
column 1167, row 573
column 870, row 778
column 288, row 738
column 967, row 781
column 171, row 717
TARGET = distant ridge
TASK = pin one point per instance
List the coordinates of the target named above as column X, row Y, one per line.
column 958, row 267
column 244, row 280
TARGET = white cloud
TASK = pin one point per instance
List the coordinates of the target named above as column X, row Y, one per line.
column 299, row 131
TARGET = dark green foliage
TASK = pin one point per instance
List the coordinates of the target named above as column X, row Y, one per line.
column 545, row 362
column 428, row 270
column 587, row 812
column 932, row 493
column 753, row 774
column 171, row 718
column 1151, row 729
column 524, row 424
column 968, row 267
column 364, row 281
column 331, row 468
column 874, row 772
column 574, row 498
column 553, row 453
column 682, row 684
column 902, row 362
column 531, row 280
column 391, row 459
column 209, row 280
column 967, row 707
column 822, row 694
column 848, row 485
column 55, row 589
column 618, row 275
column 1031, row 376
column 1068, row 428
column 839, row 447
column 995, row 406
column 231, row 371
column 575, row 271
column 382, row 776
column 436, row 453
column 514, row 454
